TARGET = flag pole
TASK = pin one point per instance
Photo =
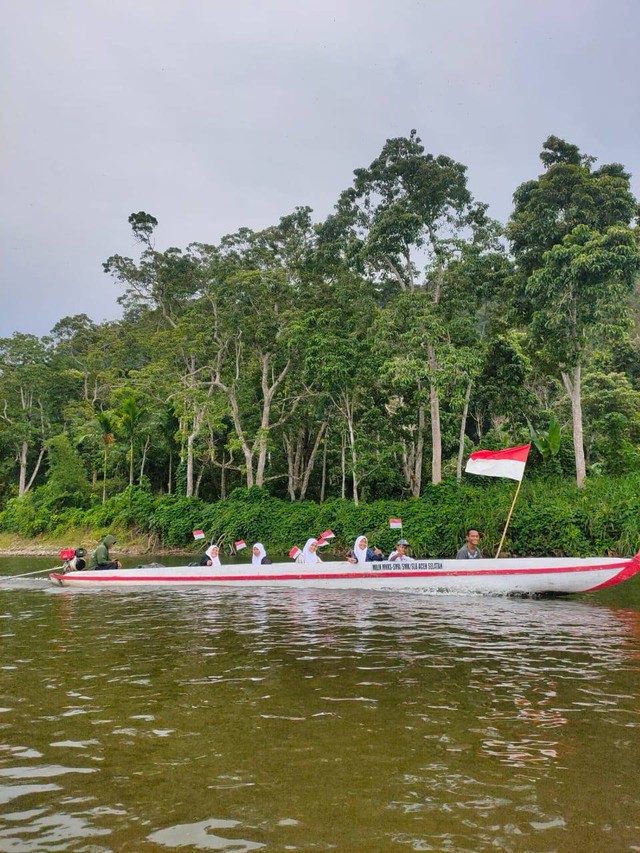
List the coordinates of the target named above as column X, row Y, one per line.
column 504, row 532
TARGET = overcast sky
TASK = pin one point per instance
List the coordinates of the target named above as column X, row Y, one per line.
column 217, row 114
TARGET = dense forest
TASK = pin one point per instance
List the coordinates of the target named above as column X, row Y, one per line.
column 361, row 358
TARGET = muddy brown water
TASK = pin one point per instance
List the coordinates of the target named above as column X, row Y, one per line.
column 306, row 720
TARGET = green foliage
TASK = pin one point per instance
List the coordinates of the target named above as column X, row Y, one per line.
column 547, row 442
column 349, row 357
column 21, row 515
column 175, row 518
column 551, row 517
column 67, row 484
column 133, row 508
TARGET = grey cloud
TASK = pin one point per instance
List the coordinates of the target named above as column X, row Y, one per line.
column 212, row 116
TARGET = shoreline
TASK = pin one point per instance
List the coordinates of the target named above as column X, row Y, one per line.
column 51, row 551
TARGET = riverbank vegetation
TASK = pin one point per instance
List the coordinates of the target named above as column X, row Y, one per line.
column 550, row 519
column 333, row 373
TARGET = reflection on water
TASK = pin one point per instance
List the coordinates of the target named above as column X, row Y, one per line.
column 310, row 721
column 199, row 837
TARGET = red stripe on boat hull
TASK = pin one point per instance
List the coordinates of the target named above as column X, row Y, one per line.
column 627, row 572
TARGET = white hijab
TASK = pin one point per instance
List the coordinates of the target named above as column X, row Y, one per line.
column 360, row 550
column 215, row 560
column 257, row 560
column 310, row 556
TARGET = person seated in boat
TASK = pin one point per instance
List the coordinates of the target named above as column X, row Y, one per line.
column 401, row 553
column 309, row 554
column 470, row 550
column 211, row 557
column 363, row 554
column 259, row 555
column 100, row 559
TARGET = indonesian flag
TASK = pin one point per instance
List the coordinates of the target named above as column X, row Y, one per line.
column 293, row 553
column 322, row 542
column 499, row 463
column 198, row 534
column 395, row 523
column 240, row 544
column 327, row 534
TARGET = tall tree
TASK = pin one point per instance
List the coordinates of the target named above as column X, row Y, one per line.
column 130, row 416
column 105, row 426
column 572, row 238
column 30, row 402
column 248, row 306
column 160, row 281
column 402, row 222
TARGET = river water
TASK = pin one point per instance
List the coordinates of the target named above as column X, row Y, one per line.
column 302, row 720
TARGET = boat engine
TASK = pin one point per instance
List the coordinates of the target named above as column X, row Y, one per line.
column 73, row 559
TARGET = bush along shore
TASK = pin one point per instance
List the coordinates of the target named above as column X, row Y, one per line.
column 550, row 518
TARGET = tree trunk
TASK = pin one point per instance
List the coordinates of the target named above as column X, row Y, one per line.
column 298, row 460
column 343, row 465
column 436, row 434
column 419, row 455
column 262, row 458
column 291, row 476
column 248, row 458
column 189, row 484
column 144, row 457
column 572, row 386
column 22, row 478
column 259, row 444
column 312, row 461
column 104, row 475
column 246, row 450
column 223, row 478
column 354, row 458
column 196, row 488
column 323, row 481
column 268, row 393
column 463, row 429
column 24, row 486
column 408, row 454
column 170, row 477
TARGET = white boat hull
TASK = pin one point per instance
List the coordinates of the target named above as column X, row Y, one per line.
column 522, row 576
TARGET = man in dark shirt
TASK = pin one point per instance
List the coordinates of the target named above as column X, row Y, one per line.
column 470, row 550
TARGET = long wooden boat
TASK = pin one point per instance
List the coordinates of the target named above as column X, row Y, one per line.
column 511, row 576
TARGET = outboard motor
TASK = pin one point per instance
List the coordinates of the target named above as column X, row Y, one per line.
column 73, row 559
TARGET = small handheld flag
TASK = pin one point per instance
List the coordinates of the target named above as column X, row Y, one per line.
column 327, row 534
column 198, row 534
column 395, row 523
column 322, row 542
column 294, row 552
column 239, row 545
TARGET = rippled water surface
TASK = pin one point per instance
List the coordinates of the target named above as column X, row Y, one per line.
column 302, row 720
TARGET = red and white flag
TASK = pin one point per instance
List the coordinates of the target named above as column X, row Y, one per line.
column 499, row 463
column 395, row 523
column 239, row 545
column 293, row 553
column 198, row 534
column 322, row 542
column 327, row 534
